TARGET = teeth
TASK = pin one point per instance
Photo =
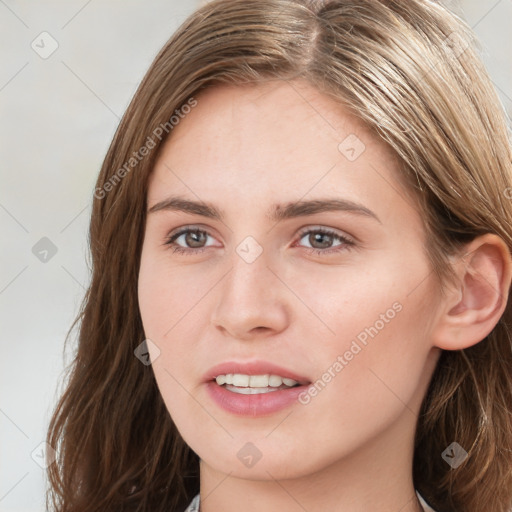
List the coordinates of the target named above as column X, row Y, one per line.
column 249, row 390
column 275, row 381
column 221, row 379
column 240, row 380
column 254, row 381
column 259, row 381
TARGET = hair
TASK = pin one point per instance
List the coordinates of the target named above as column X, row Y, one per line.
column 412, row 73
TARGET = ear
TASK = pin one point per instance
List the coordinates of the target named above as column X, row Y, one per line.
column 470, row 310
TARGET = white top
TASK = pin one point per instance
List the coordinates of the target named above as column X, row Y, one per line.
column 194, row 504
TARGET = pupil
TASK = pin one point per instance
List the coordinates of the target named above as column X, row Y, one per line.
column 318, row 237
column 191, row 238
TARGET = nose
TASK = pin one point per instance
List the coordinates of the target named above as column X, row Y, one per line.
column 252, row 301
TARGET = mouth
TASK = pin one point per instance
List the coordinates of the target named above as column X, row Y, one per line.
column 255, row 384
column 254, row 388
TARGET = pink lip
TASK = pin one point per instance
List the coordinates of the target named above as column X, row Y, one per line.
column 259, row 404
column 253, row 368
column 253, row 405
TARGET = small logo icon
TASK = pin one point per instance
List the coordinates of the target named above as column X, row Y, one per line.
column 249, row 455
column 456, row 44
column 249, row 249
column 352, row 147
column 147, row 352
column 454, row 455
column 44, row 250
column 44, row 45
column 43, row 455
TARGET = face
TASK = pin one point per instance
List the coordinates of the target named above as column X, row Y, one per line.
column 308, row 263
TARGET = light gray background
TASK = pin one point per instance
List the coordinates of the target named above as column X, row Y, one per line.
column 58, row 116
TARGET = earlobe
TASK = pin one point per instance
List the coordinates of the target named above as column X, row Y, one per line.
column 471, row 310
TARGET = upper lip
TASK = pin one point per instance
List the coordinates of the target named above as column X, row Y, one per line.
column 253, row 368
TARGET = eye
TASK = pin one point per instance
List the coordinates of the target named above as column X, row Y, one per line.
column 321, row 239
column 194, row 237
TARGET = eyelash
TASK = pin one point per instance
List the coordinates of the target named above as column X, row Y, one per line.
column 347, row 243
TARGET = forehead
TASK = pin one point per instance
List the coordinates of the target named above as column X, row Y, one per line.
column 280, row 111
column 284, row 134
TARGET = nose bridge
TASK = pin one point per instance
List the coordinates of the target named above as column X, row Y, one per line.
column 250, row 295
column 248, row 282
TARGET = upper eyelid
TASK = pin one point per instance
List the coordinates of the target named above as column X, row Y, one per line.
column 185, row 229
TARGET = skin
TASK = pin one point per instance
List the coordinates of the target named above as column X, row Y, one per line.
column 350, row 448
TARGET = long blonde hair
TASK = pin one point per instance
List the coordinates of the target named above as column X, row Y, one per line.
column 409, row 70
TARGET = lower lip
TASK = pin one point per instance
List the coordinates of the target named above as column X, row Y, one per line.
column 254, row 405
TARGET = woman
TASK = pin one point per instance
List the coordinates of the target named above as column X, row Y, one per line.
column 301, row 240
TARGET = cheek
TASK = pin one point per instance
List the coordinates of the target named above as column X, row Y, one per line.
column 364, row 300
column 172, row 302
column 150, row 296
column 164, row 294
column 164, row 299
column 378, row 369
column 372, row 357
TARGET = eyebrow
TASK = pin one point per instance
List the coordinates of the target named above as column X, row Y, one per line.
column 276, row 213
